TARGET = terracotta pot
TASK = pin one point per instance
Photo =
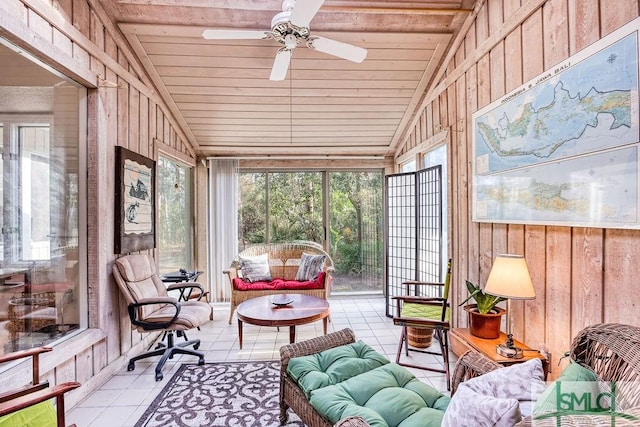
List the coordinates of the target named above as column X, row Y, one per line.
column 484, row 325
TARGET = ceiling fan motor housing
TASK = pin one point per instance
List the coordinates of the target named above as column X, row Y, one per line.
column 281, row 27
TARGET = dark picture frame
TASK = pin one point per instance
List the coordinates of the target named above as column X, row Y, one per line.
column 135, row 213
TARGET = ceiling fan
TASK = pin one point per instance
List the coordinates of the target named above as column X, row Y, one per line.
column 291, row 28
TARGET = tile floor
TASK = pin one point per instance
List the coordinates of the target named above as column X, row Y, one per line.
column 122, row 400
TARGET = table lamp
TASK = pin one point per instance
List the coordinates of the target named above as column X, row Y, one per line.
column 509, row 278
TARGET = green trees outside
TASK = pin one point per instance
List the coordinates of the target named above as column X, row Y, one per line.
column 356, row 232
column 287, row 206
column 173, row 228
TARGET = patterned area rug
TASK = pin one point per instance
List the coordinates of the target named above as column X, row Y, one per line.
column 243, row 394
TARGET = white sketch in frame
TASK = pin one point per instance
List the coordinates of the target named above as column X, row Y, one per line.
column 137, row 198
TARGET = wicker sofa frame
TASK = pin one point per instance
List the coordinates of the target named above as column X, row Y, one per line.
column 291, row 396
column 611, row 350
column 284, row 259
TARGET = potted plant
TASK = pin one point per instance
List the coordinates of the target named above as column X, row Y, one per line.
column 484, row 315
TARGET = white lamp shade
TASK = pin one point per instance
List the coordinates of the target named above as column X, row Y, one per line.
column 510, row 278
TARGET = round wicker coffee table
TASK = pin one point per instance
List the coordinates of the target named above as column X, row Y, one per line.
column 300, row 310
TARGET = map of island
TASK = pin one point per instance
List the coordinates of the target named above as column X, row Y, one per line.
column 545, row 152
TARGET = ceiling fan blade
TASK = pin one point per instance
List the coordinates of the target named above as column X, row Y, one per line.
column 339, row 49
column 235, row 34
column 280, row 65
column 304, row 11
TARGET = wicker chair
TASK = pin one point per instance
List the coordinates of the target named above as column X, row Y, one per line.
column 284, row 259
column 611, row 350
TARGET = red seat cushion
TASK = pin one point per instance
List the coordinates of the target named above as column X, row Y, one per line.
column 279, row 284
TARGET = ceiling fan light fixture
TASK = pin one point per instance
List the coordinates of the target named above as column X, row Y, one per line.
column 290, row 41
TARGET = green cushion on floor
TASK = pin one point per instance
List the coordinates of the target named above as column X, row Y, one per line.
column 388, row 396
column 422, row 311
column 40, row 415
column 333, row 366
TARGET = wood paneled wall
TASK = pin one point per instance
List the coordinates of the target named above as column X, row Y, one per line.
column 74, row 37
column 581, row 275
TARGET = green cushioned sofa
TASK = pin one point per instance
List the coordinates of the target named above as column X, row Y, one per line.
column 329, row 378
column 603, row 355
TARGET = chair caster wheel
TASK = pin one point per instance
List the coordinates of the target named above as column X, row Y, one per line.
column 196, row 346
column 159, row 377
column 130, row 367
column 201, row 361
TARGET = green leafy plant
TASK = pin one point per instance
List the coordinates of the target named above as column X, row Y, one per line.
column 485, row 302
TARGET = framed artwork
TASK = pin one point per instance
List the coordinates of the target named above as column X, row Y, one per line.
column 135, row 226
column 564, row 148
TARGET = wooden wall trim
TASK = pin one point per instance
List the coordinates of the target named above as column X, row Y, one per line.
column 42, row 49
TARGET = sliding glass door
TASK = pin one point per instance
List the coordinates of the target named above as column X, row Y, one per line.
column 340, row 210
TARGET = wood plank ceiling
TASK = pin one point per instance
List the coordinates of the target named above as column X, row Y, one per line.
column 220, row 90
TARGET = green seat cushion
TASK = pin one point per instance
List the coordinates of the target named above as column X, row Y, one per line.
column 39, row 415
column 387, row 396
column 423, row 311
column 333, row 366
column 576, row 389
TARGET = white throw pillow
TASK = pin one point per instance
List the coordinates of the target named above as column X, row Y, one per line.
column 495, row 398
column 255, row 268
column 310, row 267
column 522, row 381
column 471, row 409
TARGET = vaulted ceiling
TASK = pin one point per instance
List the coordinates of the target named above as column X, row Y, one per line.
column 220, row 90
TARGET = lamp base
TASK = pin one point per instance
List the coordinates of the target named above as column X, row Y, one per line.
column 510, row 352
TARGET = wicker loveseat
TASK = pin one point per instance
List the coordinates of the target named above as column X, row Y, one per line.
column 611, row 351
column 284, row 259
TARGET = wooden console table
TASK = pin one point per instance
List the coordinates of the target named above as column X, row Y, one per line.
column 461, row 340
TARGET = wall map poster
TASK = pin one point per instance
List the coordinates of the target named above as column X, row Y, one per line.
column 563, row 148
column 135, row 213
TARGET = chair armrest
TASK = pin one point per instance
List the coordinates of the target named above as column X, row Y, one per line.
column 36, row 397
column 469, row 365
column 418, row 284
column 231, row 273
column 421, row 300
column 315, row 345
column 352, row 422
column 24, row 353
column 35, row 352
column 152, row 326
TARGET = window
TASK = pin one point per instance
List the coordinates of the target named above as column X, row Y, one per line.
column 341, row 210
column 409, row 166
column 42, row 285
column 438, row 157
column 174, row 209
